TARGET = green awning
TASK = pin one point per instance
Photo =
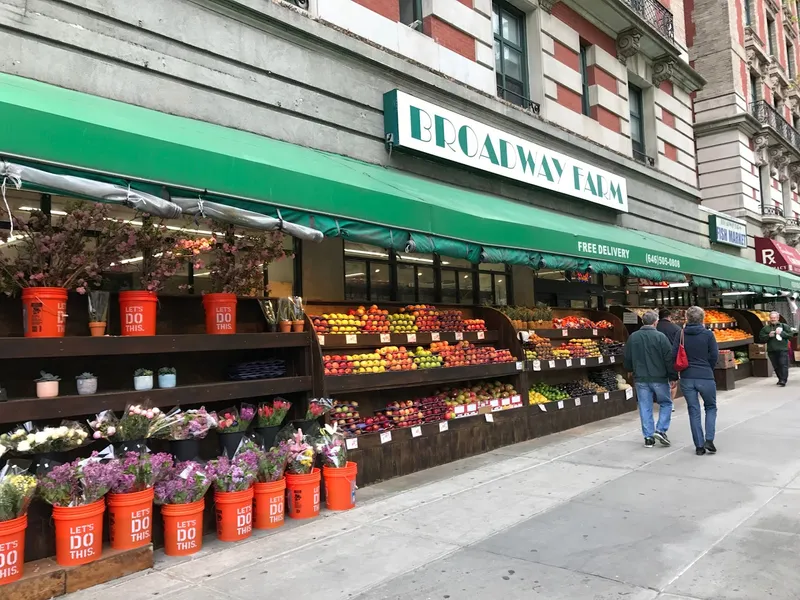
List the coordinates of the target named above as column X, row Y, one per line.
column 49, row 124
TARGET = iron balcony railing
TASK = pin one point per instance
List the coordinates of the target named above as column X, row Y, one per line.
column 643, row 158
column 767, row 115
column 654, row 13
column 793, row 223
column 771, row 211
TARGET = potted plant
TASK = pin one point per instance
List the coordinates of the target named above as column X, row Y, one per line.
column 181, row 494
column 285, row 315
column 98, row 312
column 298, row 323
column 269, row 314
column 233, row 494
column 87, row 384
column 167, row 377
column 16, row 492
column 269, row 490
column 231, row 426
column 55, row 254
column 47, row 385
column 142, row 380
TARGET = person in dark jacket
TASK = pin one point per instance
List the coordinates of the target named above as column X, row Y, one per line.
column 698, row 379
column 776, row 335
column 671, row 330
column 648, row 354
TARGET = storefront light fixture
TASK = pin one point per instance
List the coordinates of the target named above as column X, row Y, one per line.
column 661, row 287
column 355, row 274
column 738, row 293
column 365, row 252
column 59, row 213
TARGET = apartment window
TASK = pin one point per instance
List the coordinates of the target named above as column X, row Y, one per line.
column 772, row 36
column 585, row 81
column 637, row 121
column 791, row 65
column 509, row 54
column 411, row 13
column 747, row 17
column 754, row 89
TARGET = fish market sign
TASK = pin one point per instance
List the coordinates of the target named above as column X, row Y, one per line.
column 418, row 126
column 727, row 231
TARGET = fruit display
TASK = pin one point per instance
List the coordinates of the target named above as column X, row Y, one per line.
column 425, row 359
column 621, row 383
column 730, row 335
column 603, row 325
column 573, row 322
column 538, row 348
column 405, row 413
column 373, row 320
column 466, row 353
column 426, row 317
column 716, row 316
column 475, row 324
column 402, row 323
column 582, row 348
column 434, row 408
column 561, row 353
column 581, row 387
column 345, row 415
column 741, row 357
column 609, row 347
column 395, row 358
column 355, row 364
column 606, row 378
column 451, row 320
column 535, row 397
column 337, row 323
column 763, row 315
column 552, row 393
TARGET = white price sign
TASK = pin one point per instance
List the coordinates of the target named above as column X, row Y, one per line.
column 481, row 335
column 612, row 359
column 542, row 408
column 443, row 426
column 411, row 338
column 506, row 401
column 351, row 443
column 564, row 332
column 569, row 362
column 472, row 408
column 459, row 336
column 629, row 393
column 594, row 332
column 599, row 360
column 351, row 339
column 435, row 336
column 489, row 417
column 606, row 396
column 583, row 362
column 321, row 340
column 560, row 404
column 386, row 338
column 577, row 401
column 386, row 436
column 520, row 365
column 416, row 431
column 552, row 364
column 537, row 366
column 594, row 398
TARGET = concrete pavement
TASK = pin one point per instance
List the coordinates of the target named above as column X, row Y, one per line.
column 588, row 514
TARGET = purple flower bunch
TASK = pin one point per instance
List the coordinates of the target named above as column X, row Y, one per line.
column 79, row 483
column 272, row 463
column 192, row 424
column 234, row 474
column 184, row 483
column 233, row 420
column 139, row 472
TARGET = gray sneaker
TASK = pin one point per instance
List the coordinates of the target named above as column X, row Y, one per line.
column 662, row 437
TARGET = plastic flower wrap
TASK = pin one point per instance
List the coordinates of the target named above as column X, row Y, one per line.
column 161, row 423
column 79, row 483
column 318, row 407
column 235, row 474
column 140, row 471
column 104, row 426
column 301, row 454
column 271, row 415
column 232, row 420
column 17, row 488
column 331, row 446
column 184, row 483
column 192, row 424
column 27, row 439
column 10, row 439
column 272, row 463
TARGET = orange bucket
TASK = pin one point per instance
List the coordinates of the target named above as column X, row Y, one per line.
column 234, row 515
column 183, row 528
column 44, row 312
column 130, row 519
column 340, row 486
column 269, row 502
column 79, row 533
column 303, row 495
column 12, row 549
column 220, row 313
column 137, row 312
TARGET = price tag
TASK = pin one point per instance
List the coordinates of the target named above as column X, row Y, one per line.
column 506, row 401
column 472, row 408
column 629, row 393
column 560, row 404
column 583, row 362
column 537, row 365
column 443, row 426
column 599, row 360
column 552, row 364
column 495, row 402
column 481, row 335
column 569, row 362
column 520, row 365
column 459, row 410
column 489, row 417
column 606, row 396
column 594, row 332
column 351, row 339
column 411, row 338
column 459, row 336
column 435, row 336
column 351, row 443
column 594, row 398
column 386, row 338
column 564, row 332
column 577, row 401
column 321, row 340
column 542, row 408
column 386, row 436
column 612, row 359
column 416, row 431
column 516, row 399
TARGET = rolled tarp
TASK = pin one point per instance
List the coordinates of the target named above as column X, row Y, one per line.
column 100, row 191
column 430, row 244
column 244, row 218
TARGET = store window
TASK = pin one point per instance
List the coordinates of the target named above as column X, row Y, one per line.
column 280, row 274
column 368, row 273
column 411, row 13
column 772, row 36
column 584, row 80
column 416, row 281
column 509, row 54
column 493, row 284
column 637, row 121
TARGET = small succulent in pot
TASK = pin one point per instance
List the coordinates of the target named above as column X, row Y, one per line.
column 143, row 380
column 167, row 377
column 47, row 385
column 87, row 384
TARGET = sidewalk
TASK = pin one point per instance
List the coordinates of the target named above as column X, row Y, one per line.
column 588, row 514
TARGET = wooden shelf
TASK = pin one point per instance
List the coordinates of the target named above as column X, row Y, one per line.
column 394, row 379
column 71, row 406
column 732, row 325
column 574, row 363
column 572, row 333
column 735, row 343
column 373, row 340
column 16, row 347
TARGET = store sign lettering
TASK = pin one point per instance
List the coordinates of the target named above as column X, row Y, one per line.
column 620, row 253
column 420, row 126
column 727, row 231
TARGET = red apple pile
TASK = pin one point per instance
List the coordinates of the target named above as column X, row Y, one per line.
column 406, row 413
column 475, row 324
column 395, row 358
column 465, row 353
column 345, row 414
column 373, row 320
column 434, row 408
column 426, row 316
column 451, row 320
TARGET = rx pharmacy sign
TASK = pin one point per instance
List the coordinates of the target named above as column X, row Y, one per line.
column 419, row 126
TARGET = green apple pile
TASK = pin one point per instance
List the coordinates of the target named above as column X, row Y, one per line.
column 425, row 359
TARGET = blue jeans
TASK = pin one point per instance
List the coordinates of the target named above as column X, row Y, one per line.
column 707, row 388
column 646, row 393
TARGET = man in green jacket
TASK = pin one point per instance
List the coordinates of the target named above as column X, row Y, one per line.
column 777, row 335
column 648, row 355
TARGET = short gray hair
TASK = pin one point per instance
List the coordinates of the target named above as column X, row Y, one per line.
column 695, row 315
column 650, row 317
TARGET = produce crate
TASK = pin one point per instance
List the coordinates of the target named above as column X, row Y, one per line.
column 758, row 350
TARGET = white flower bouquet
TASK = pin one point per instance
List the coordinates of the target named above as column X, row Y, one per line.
column 27, row 439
